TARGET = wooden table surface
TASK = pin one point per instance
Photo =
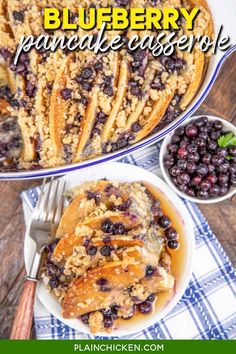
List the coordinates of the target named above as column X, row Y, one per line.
column 221, row 217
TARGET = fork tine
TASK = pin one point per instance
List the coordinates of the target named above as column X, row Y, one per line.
column 47, row 201
column 38, row 206
column 50, row 203
column 42, row 207
column 53, row 204
column 60, row 204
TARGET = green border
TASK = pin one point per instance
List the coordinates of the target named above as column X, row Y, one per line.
column 118, row 346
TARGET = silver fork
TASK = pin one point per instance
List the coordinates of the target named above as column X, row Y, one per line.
column 42, row 230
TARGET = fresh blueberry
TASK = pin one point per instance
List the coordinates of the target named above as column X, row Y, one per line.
column 91, row 251
column 203, row 194
column 205, row 185
column 86, row 73
column 119, row 229
column 175, row 171
column 66, row 93
column 184, row 178
column 53, row 282
column 183, row 153
column 182, row 164
column 192, row 148
column 218, row 125
column 85, row 318
column 145, row 307
column 107, row 321
column 173, row 244
column 18, row 16
column 107, row 226
column 171, row 234
column 202, row 169
column 164, row 222
column 215, row 134
column 191, row 130
column 135, row 127
column 217, row 160
column 106, row 251
column 214, row 191
column 102, row 281
column 150, row 271
column 151, row 298
column 191, row 167
column 168, row 161
column 206, row 158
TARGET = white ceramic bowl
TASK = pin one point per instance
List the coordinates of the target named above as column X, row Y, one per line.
column 222, row 15
column 166, row 175
column 124, row 173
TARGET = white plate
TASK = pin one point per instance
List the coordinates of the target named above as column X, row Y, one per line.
column 166, row 175
column 123, row 173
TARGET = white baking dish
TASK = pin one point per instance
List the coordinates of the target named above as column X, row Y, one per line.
column 223, row 13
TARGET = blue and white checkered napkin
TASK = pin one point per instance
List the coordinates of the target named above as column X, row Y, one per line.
column 208, row 308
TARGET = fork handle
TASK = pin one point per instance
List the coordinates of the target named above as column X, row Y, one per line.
column 22, row 324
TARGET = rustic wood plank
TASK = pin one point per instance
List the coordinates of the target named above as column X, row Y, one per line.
column 11, row 251
column 221, row 100
column 221, row 217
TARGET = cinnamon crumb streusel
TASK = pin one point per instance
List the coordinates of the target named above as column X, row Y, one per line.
column 113, row 263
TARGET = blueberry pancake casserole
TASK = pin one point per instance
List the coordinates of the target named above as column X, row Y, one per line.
column 73, row 106
column 112, row 256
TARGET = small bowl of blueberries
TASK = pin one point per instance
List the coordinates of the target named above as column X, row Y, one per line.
column 198, row 160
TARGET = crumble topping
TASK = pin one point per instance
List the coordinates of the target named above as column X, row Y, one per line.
column 112, row 260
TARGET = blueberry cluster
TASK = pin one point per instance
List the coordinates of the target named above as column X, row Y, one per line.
column 5, row 93
column 135, row 88
column 10, row 140
column 172, row 63
column 124, row 140
column 146, row 306
column 139, row 62
column 164, row 222
column 197, row 165
column 109, row 315
column 114, row 228
column 54, row 271
column 85, row 78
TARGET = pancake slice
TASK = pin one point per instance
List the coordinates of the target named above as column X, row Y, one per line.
column 4, row 106
column 129, row 219
column 65, row 246
column 116, row 67
column 87, row 123
column 142, row 103
column 121, row 92
column 28, row 152
column 58, row 106
column 7, row 40
column 194, row 85
column 118, row 241
column 86, row 295
column 73, row 214
column 160, row 281
column 158, row 111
